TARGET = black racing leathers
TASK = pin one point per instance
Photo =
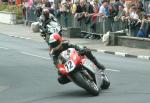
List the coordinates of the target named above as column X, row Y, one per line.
column 44, row 21
column 43, row 26
column 85, row 51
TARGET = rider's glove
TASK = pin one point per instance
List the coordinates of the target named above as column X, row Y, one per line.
column 82, row 51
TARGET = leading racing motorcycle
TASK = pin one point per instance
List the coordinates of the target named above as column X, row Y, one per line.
column 83, row 72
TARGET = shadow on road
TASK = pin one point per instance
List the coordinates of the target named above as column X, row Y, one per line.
column 75, row 93
column 61, row 95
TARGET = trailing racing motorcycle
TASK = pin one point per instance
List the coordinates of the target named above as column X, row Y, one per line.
column 83, row 72
column 52, row 27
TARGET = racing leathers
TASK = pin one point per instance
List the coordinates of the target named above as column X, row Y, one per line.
column 83, row 51
column 44, row 21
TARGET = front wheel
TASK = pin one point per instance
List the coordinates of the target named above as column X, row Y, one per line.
column 83, row 81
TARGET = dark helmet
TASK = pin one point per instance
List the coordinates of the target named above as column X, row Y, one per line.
column 46, row 13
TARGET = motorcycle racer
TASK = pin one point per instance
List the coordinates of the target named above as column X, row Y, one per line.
column 45, row 19
column 57, row 45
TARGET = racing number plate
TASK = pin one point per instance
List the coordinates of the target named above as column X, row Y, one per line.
column 69, row 65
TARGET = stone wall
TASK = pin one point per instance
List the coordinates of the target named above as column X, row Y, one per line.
column 135, row 42
column 7, row 17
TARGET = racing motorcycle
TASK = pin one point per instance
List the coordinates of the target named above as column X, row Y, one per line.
column 83, row 72
column 52, row 27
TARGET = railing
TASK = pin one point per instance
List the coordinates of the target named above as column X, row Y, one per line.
column 66, row 19
column 30, row 15
column 103, row 24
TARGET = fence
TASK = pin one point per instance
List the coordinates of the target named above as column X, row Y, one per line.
column 66, row 19
column 103, row 24
column 30, row 15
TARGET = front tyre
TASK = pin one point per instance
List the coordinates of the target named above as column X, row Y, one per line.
column 83, row 81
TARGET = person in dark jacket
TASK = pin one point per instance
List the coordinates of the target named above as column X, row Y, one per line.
column 57, row 45
column 44, row 19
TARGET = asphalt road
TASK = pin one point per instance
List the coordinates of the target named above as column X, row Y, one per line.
column 27, row 75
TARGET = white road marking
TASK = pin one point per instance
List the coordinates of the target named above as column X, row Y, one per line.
column 25, row 38
column 102, row 51
column 144, row 57
column 120, row 54
column 114, row 70
column 29, row 54
column 20, row 37
column 26, row 53
column 4, row 48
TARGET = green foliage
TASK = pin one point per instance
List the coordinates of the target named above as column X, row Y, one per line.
column 3, row 7
column 12, row 8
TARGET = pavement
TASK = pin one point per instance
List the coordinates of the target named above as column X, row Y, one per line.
column 24, row 32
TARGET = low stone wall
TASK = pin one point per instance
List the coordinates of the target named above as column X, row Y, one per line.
column 71, row 32
column 121, row 39
column 113, row 40
column 7, row 17
column 135, row 42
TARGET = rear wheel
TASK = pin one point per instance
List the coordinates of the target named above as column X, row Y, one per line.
column 88, row 83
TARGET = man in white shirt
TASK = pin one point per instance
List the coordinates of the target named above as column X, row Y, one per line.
column 103, row 10
column 133, row 14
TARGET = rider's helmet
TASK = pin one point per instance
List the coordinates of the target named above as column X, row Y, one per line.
column 46, row 13
column 55, row 41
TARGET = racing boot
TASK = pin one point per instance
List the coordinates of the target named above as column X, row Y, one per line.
column 63, row 79
column 105, row 82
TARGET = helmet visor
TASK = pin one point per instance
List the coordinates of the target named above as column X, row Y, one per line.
column 54, row 44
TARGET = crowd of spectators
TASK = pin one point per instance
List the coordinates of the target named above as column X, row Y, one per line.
column 135, row 15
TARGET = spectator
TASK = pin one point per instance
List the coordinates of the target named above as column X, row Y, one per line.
column 74, row 8
column 63, row 6
column 122, row 2
column 64, row 9
column 89, row 7
column 41, row 6
column 43, row 2
column 112, row 11
column 48, row 6
column 69, row 4
column 145, row 25
column 103, row 10
column 116, row 5
column 135, row 17
column 147, row 12
column 133, row 13
column 38, row 11
column 94, row 17
column 89, row 12
column 100, row 2
column 1, row 2
column 121, row 14
column 144, row 29
column 57, row 4
column 140, row 5
column 81, row 8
